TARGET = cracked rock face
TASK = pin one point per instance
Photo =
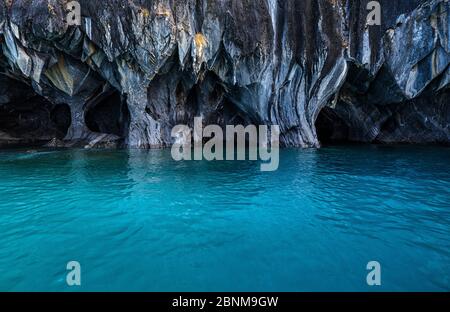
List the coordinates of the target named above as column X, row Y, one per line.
column 134, row 69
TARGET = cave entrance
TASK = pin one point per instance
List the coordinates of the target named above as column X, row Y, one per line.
column 330, row 128
column 110, row 116
column 32, row 121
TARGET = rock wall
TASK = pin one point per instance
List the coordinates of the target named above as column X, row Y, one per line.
column 135, row 68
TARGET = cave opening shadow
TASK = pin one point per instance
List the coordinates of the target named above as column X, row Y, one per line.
column 32, row 122
column 60, row 116
column 109, row 116
column 331, row 129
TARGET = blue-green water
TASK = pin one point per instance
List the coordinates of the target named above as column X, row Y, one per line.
column 138, row 221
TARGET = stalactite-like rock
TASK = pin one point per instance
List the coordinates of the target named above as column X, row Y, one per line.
column 294, row 63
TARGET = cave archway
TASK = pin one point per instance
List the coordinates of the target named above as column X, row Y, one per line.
column 28, row 119
column 110, row 115
column 331, row 128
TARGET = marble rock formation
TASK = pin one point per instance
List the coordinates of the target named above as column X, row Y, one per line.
column 134, row 69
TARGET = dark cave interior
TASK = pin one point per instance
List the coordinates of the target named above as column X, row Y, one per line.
column 110, row 115
column 331, row 129
column 27, row 118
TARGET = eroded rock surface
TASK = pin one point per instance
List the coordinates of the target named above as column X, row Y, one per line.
column 135, row 68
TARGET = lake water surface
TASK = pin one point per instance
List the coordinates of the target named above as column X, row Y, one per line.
column 139, row 221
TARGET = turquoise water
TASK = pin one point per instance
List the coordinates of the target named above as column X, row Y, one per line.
column 138, row 221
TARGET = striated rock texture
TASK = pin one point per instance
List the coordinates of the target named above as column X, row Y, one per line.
column 134, row 69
